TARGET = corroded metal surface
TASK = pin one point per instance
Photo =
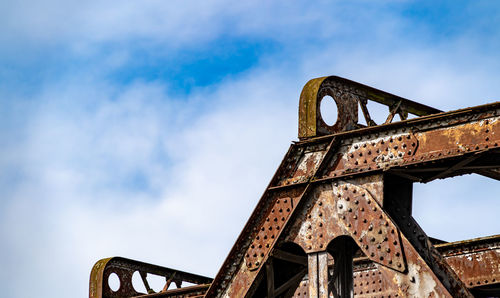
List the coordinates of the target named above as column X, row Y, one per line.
column 336, row 210
column 375, row 149
column 191, row 292
column 347, row 95
column 355, row 181
column 125, row 268
column 348, row 209
column 476, row 261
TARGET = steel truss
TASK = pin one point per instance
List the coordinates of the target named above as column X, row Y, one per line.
column 336, row 220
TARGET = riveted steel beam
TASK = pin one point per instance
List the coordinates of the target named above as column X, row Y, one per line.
column 348, row 95
column 125, row 268
column 475, row 261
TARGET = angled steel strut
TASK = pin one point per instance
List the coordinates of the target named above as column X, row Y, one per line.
column 336, row 220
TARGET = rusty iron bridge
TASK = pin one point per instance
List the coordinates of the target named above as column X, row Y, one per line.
column 336, row 219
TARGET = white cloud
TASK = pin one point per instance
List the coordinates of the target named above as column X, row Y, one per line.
column 205, row 174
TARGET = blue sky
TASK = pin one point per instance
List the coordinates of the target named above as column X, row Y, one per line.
column 150, row 129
